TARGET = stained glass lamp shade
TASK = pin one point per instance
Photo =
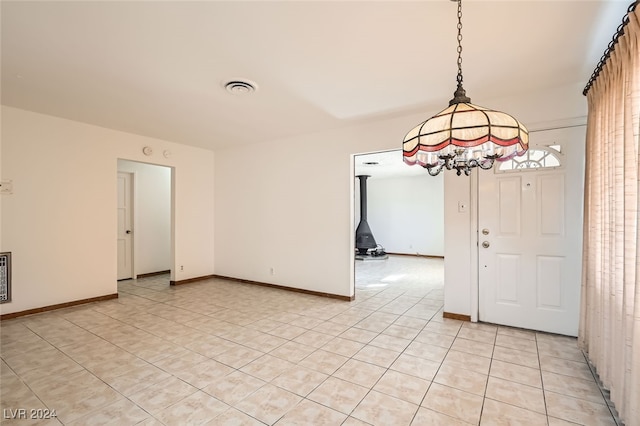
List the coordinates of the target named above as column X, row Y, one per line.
column 464, row 136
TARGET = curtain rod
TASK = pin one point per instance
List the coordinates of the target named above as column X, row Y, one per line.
column 610, row 48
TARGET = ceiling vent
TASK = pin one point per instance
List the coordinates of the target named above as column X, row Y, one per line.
column 240, row 87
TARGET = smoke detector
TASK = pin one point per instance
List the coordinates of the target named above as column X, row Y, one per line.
column 240, row 87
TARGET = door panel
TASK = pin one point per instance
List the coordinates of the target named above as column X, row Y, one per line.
column 510, row 206
column 529, row 260
column 507, row 265
column 551, row 206
column 549, row 282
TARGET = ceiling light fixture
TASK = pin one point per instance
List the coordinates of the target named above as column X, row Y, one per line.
column 464, row 136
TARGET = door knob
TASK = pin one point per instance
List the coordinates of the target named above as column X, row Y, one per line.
column 485, row 244
column 485, row 231
column 128, row 231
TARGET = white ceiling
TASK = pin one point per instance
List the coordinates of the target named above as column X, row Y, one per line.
column 157, row 68
column 385, row 164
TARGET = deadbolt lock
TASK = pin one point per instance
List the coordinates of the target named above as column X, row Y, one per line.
column 485, row 231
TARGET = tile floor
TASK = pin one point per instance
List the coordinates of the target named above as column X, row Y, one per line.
column 223, row 353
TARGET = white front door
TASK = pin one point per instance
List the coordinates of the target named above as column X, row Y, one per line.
column 125, row 210
column 530, row 236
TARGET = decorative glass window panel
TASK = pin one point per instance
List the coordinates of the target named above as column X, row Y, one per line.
column 534, row 158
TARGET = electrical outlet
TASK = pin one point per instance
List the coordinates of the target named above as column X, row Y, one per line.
column 181, row 267
column 272, row 271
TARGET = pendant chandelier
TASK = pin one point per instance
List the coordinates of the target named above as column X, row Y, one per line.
column 464, row 136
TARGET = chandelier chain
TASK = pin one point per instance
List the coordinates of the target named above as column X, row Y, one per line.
column 463, row 137
column 459, row 78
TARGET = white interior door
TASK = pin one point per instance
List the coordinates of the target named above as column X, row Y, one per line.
column 125, row 231
column 530, row 236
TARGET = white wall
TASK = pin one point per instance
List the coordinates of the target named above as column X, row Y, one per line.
column 60, row 222
column 288, row 204
column 458, row 245
column 406, row 214
column 152, row 216
column 285, row 204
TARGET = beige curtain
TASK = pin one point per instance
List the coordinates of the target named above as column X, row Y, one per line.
column 610, row 307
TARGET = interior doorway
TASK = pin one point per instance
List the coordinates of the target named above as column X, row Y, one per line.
column 405, row 215
column 149, row 230
column 125, row 223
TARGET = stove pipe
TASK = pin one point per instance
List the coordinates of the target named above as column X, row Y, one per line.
column 364, row 237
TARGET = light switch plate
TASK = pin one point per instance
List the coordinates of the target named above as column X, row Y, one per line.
column 6, row 187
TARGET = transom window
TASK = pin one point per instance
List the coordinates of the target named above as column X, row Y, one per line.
column 538, row 158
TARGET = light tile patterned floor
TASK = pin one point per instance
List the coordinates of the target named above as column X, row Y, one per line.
column 224, row 353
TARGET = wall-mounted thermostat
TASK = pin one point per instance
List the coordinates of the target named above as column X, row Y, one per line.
column 5, row 277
